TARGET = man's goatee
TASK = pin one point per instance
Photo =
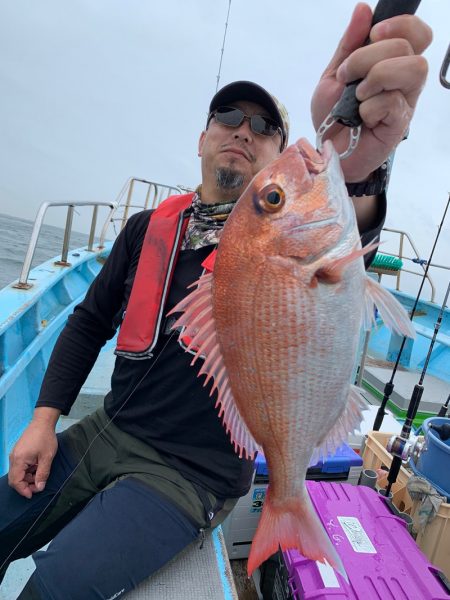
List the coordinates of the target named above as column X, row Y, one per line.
column 227, row 179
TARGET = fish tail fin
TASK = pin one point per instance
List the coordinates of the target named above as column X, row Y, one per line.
column 292, row 524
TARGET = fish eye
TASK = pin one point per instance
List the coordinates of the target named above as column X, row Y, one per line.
column 271, row 198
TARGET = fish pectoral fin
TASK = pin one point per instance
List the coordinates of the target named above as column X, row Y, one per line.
column 331, row 272
column 392, row 312
column 348, row 421
column 199, row 335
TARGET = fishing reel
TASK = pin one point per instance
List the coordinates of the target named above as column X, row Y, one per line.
column 406, row 449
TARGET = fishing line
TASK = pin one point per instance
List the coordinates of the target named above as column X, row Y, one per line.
column 86, row 452
column 223, row 45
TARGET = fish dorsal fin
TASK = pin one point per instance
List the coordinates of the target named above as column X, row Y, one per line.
column 200, row 336
column 392, row 312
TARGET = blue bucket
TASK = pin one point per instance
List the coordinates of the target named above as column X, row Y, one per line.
column 434, row 460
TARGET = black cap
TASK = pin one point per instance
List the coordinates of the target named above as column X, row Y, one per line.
column 252, row 92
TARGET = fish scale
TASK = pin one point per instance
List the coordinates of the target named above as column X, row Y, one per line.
column 307, row 379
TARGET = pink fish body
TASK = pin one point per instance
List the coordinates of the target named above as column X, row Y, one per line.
column 279, row 321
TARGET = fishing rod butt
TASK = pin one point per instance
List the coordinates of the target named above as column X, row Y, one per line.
column 393, row 473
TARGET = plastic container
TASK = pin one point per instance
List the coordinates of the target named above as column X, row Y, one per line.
column 440, row 490
column 380, row 557
column 434, row 540
column 344, row 464
column 434, row 460
column 368, row 478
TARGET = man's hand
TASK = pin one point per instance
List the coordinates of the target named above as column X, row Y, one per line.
column 32, row 456
column 393, row 74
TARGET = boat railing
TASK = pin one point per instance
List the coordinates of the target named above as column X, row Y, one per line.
column 416, row 259
column 23, row 283
column 154, row 194
column 119, row 210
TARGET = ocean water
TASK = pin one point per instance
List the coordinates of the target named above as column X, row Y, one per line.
column 14, row 238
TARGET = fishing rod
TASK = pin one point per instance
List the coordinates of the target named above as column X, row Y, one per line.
column 389, row 387
column 398, row 446
column 223, row 45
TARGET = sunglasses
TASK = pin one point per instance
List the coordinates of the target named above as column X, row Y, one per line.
column 233, row 117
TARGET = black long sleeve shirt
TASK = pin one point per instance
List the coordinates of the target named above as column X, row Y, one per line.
column 160, row 400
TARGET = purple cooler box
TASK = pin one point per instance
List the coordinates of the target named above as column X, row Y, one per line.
column 380, row 556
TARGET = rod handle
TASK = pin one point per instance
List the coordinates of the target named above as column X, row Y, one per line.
column 346, row 110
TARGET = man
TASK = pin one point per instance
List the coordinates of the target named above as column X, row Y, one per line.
column 126, row 489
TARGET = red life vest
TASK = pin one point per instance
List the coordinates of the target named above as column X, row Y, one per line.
column 140, row 328
column 162, row 242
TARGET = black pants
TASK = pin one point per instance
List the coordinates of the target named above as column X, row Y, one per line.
column 122, row 515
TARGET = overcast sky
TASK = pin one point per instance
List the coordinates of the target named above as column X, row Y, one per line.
column 96, row 91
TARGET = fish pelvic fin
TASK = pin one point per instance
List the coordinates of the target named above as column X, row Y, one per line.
column 392, row 312
column 292, row 524
column 199, row 336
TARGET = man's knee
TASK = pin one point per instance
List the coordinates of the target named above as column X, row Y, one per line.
column 124, row 535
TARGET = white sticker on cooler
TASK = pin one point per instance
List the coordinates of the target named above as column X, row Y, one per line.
column 356, row 535
column 328, row 575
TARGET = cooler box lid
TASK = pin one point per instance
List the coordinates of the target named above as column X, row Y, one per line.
column 344, row 458
column 340, row 462
column 380, row 557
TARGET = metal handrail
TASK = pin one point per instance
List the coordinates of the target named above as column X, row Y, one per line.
column 160, row 192
column 23, row 279
column 400, row 255
column 156, row 193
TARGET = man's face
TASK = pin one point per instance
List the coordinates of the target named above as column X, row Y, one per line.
column 236, row 152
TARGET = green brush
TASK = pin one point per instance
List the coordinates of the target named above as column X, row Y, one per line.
column 385, row 265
